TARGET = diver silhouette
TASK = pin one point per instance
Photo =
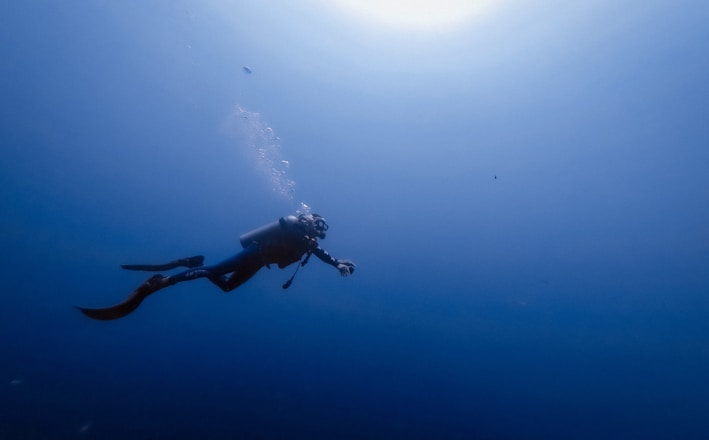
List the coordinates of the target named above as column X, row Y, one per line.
column 290, row 239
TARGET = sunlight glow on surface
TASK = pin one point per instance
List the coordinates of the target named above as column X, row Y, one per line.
column 415, row 15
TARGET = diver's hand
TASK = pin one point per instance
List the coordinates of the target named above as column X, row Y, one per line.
column 346, row 267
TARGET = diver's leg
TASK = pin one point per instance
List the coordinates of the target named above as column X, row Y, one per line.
column 242, row 267
column 190, row 262
column 152, row 285
column 230, row 282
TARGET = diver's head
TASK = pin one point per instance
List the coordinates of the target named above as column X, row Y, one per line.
column 313, row 224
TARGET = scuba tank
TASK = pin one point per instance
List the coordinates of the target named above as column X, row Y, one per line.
column 271, row 230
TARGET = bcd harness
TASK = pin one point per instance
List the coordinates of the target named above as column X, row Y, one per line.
column 303, row 261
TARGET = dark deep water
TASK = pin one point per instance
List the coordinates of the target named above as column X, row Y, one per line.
column 528, row 210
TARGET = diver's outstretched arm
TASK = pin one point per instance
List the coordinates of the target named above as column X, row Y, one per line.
column 346, row 267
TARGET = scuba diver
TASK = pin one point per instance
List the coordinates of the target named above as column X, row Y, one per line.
column 290, row 239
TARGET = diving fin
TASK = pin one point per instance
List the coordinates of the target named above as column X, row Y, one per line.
column 131, row 303
column 189, row 262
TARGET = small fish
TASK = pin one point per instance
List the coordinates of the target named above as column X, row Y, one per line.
column 16, row 382
column 85, row 428
column 248, row 70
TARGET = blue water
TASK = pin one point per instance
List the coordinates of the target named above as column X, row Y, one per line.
column 526, row 199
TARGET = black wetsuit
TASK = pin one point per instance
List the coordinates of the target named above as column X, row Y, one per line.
column 235, row 271
column 284, row 248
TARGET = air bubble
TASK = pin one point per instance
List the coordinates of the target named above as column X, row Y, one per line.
column 263, row 147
